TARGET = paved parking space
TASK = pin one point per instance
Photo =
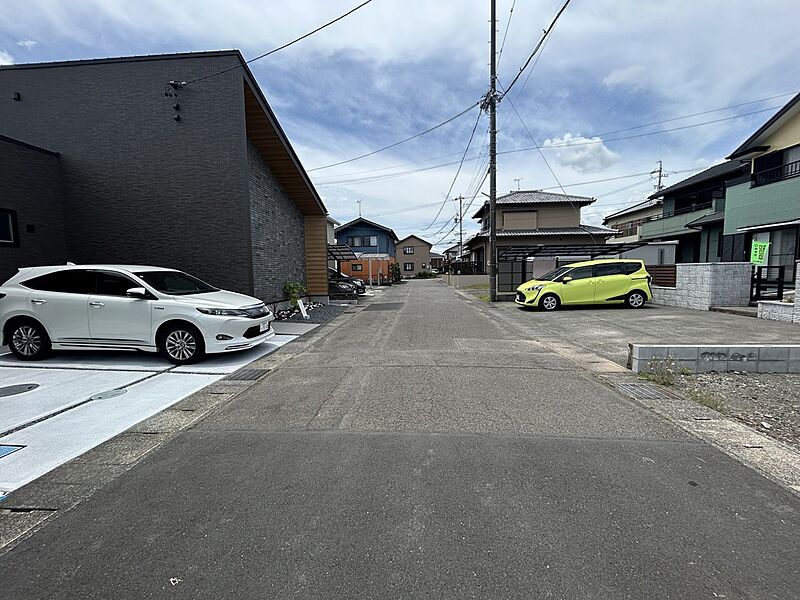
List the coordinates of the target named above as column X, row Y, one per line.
column 607, row 330
column 59, row 420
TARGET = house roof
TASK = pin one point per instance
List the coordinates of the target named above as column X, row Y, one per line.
column 551, row 231
column 649, row 203
column 368, row 223
column 727, row 169
column 5, row 138
column 262, row 125
column 776, row 121
column 536, row 197
column 716, row 217
column 408, row 237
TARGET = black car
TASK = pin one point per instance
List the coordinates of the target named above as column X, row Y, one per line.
column 338, row 276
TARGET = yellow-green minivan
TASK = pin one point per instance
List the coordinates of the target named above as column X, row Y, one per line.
column 610, row 281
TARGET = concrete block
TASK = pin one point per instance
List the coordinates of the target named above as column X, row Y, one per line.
column 713, row 353
column 707, row 366
column 647, row 352
column 773, row 366
column 683, row 352
column 773, row 353
column 794, row 352
column 793, row 366
column 748, row 366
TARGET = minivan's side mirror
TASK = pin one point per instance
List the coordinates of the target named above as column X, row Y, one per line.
column 566, row 280
column 138, row 292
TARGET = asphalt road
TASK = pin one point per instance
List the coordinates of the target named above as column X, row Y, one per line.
column 423, row 449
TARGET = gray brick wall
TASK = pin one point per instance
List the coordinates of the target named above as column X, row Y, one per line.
column 277, row 232
column 703, row 285
column 140, row 187
column 30, row 184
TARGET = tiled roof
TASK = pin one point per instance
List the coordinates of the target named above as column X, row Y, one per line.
column 649, row 203
column 536, row 197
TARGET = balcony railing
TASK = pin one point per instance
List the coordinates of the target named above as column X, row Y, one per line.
column 681, row 211
column 774, row 174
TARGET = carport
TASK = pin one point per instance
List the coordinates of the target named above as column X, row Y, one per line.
column 516, row 264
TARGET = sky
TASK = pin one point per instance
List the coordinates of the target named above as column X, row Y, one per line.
column 397, row 67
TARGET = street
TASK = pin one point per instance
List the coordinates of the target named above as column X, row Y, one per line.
column 420, row 446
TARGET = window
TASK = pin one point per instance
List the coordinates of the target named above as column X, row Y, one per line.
column 68, row 281
column 630, row 268
column 356, row 267
column 8, row 228
column 408, row 266
column 371, row 241
column 408, row 249
column 175, row 283
column 111, row 284
column 580, row 273
column 608, row 269
column 354, row 241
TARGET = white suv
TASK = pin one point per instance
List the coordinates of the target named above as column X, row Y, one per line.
column 124, row 307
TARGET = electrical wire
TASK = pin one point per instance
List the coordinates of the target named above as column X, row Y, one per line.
column 505, row 34
column 279, row 48
column 536, row 48
column 403, row 141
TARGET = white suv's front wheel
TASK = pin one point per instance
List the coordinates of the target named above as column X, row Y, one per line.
column 181, row 344
column 28, row 340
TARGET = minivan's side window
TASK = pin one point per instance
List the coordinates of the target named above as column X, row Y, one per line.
column 608, row 269
column 580, row 273
column 68, row 281
column 630, row 268
column 111, row 284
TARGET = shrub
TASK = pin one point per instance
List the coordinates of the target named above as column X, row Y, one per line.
column 294, row 291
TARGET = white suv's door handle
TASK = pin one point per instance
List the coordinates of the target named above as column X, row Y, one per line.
column 96, row 304
column 38, row 301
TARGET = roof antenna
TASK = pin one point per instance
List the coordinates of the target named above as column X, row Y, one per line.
column 518, row 179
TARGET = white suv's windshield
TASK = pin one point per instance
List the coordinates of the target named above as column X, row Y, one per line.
column 175, row 283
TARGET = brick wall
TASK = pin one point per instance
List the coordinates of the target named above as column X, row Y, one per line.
column 30, row 185
column 140, row 187
column 277, row 232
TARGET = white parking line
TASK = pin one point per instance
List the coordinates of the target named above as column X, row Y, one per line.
column 66, row 380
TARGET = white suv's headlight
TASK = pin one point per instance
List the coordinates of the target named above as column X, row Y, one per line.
column 534, row 288
column 223, row 312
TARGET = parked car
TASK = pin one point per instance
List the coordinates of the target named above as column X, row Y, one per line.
column 358, row 284
column 123, row 307
column 341, row 289
column 590, row 282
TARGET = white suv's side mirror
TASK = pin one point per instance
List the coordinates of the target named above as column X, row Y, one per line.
column 138, row 292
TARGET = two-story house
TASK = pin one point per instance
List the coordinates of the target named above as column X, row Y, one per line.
column 692, row 212
column 764, row 204
column 373, row 244
column 414, row 256
column 626, row 222
column 531, row 217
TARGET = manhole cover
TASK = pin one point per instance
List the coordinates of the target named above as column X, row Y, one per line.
column 11, row 390
column 6, row 449
column 385, row 306
column 644, row 391
column 247, row 374
column 109, row 394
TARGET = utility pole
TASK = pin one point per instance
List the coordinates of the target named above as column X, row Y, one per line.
column 460, row 228
column 661, row 174
column 492, row 102
column 359, row 207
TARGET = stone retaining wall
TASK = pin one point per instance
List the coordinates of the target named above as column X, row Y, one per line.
column 761, row 358
column 783, row 311
column 703, row 285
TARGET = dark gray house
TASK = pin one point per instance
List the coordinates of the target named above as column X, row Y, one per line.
column 147, row 159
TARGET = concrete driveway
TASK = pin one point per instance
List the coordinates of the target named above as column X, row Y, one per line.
column 75, row 407
column 607, row 330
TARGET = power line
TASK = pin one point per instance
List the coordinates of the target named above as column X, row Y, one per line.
column 536, row 49
column 279, row 48
column 403, row 141
column 458, row 171
column 505, row 34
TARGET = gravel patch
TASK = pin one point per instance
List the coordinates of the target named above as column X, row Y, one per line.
column 768, row 402
column 321, row 314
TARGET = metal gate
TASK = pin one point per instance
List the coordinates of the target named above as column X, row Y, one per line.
column 767, row 283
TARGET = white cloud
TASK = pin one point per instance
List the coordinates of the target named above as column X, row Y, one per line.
column 584, row 155
column 631, row 76
column 27, row 44
column 5, row 58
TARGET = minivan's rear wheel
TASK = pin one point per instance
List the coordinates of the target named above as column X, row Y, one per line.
column 635, row 299
column 549, row 302
column 28, row 340
column 181, row 344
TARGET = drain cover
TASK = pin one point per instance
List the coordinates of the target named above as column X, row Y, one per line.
column 385, row 306
column 247, row 374
column 5, row 450
column 644, row 391
column 11, row 390
column 109, row 394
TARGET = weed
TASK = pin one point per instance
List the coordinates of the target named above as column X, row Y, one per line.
column 484, row 297
column 707, row 399
column 661, row 371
